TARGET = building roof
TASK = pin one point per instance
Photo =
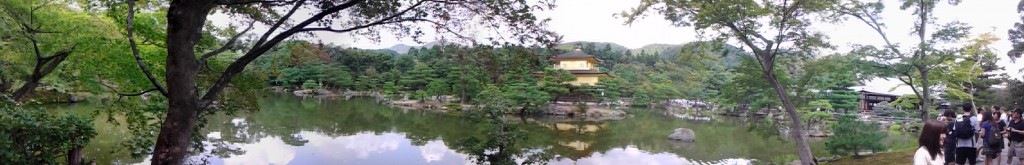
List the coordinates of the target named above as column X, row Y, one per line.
column 575, row 54
column 585, row 72
column 864, row 92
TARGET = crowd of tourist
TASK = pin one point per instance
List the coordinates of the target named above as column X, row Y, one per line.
column 970, row 138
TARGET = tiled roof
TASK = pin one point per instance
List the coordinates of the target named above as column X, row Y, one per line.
column 585, row 72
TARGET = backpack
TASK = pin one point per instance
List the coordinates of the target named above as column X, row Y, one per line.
column 963, row 129
column 994, row 141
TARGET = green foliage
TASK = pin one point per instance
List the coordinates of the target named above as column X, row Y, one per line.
column 390, row 89
column 501, row 143
column 1017, row 36
column 824, row 105
column 970, row 74
column 32, row 136
column 310, row 84
column 853, row 136
column 612, row 88
column 438, row 87
column 454, row 106
column 418, row 78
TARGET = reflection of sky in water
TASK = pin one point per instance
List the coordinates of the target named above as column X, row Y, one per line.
column 361, row 148
column 394, row 148
column 633, row 156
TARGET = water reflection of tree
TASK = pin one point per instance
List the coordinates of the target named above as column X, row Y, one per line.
column 502, row 141
column 285, row 116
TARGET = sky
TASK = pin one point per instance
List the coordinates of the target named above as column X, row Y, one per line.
column 594, row 20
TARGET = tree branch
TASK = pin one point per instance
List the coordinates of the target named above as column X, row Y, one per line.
column 135, row 49
column 226, row 46
column 278, row 24
column 230, row 2
column 872, row 22
column 261, row 48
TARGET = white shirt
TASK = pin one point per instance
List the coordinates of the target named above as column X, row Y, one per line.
column 921, row 157
column 1003, row 118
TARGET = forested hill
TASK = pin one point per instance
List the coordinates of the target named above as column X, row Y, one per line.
column 728, row 53
column 403, row 48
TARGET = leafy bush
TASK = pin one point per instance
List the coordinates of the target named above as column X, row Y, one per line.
column 851, row 135
column 31, row 136
column 895, row 128
column 310, row 84
column 453, row 106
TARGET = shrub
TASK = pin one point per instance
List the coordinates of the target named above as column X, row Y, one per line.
column 851, row 135
column 453, row 106
column 310, row 84
column 31, row 136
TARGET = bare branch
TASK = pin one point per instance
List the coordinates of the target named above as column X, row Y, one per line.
column 135, row 49
column 273, row 28
column 246, row 2
column 257, row 51
column 226, row 46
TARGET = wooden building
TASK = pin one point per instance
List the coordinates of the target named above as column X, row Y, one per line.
column 869, row 99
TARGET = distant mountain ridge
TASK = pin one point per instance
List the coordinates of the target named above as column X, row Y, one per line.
column 403, row 48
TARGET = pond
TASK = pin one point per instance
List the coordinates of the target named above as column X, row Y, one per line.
column 292, row 130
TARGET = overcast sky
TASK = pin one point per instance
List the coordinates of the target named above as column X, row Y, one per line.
column 593, row 20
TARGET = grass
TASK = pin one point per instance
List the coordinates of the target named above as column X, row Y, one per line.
column 904, row 156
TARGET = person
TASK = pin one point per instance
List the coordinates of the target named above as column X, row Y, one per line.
column 966, row 148
column 979, row 143
column 999, row 129
column 949, row 150
column 989, row 133
column 1016, row 130
column 930, row 142
column 1003, row 115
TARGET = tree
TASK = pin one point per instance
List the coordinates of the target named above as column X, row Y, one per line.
column 769, row 28
column 418, row 77
column 33, row 136
column 186, row 19
column 1017, row 36
column 438, row 88
column 912, row 66
column 853, row 136
column 969, row 74
column 339, row 77
column 33, row 30
column 612, row 89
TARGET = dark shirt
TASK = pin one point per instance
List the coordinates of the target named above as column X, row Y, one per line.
column 1018, row 125
column 949, row 133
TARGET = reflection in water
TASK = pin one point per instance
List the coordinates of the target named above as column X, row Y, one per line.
column 289, row 130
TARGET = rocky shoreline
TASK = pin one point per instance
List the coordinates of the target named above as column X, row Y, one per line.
column 590, row 113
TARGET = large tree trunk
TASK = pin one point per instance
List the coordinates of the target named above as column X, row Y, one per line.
column 185, row 20
column 24, row 90
column 926, row 100
column 795, row 130
column 74, row 156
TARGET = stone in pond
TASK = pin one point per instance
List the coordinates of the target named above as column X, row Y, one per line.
column 682, row 134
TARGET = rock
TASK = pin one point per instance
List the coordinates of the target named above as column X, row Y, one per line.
column 817, row 133
column 304, row 92
column 324, row 92
column 558, row 110
column 682, row 134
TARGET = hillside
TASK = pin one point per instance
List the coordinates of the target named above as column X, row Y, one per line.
column 403, row 48
column 572, row 45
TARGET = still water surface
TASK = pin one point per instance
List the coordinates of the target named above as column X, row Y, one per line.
column 291, row 130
